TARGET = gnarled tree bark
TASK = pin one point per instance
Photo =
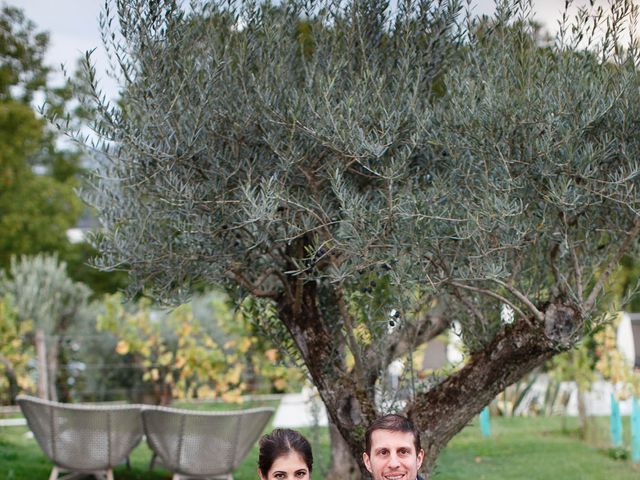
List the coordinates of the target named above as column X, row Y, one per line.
column 444, row 410
column 440, row 412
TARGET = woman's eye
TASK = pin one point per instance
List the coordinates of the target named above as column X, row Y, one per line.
column 279, row 475
column 301, row 474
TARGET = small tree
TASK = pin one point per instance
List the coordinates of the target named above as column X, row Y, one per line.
column 577, row 366
column 374, row 174
column 45, row 297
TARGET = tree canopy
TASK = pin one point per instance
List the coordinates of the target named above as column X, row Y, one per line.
column 38, row 172
column 375, row 174
column 37, row 178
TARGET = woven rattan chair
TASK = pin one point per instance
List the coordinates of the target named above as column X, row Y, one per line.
column 194, row 444
column 88, row 439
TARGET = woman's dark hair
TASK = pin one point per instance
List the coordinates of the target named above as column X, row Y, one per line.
column 280, row 442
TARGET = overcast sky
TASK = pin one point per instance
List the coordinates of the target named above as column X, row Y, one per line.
column 73, row 26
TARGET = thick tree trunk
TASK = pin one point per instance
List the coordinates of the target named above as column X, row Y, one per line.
column 444, row 410
column 440, row 412
column 350, row 405
column 343, row 465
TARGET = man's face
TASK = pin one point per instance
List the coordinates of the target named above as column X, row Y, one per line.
column 393, row 456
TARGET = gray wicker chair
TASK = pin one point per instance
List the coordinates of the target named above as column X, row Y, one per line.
column 87, row 439
column 195, row 444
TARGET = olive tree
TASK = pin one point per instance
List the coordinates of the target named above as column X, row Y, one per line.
column 48, row 302
column 373, row 174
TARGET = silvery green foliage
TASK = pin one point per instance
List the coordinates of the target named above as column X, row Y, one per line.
column 540, row 176
column 325, row 139
column 42, row 292
column 244, row 127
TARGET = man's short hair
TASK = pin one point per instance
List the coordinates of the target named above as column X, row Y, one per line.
column 394, row 423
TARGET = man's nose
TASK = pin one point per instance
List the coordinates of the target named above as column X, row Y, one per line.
column 394, row 461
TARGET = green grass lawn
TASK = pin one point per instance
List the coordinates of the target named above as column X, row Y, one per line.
column 529, row 448
column 520, row 448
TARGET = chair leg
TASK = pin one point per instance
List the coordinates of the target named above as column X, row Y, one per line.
column 54, row 474
column 100, row 475
column 71, row 475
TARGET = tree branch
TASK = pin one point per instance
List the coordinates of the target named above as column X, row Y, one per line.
column 474, row 311
column 557, row 276
column 444, row 410
column 351, row 339
column 538, row 314
column 489, row 293
column 578, row 271
column 574, row 255
column 254, row 289
column 425, row 330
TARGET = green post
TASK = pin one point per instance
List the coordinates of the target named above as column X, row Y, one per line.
column 635, row 430
column 485, row 424
column 616, row 423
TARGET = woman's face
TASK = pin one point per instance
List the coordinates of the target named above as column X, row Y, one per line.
column 288, row 467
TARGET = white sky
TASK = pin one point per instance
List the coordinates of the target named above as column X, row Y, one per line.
column 73, row 27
